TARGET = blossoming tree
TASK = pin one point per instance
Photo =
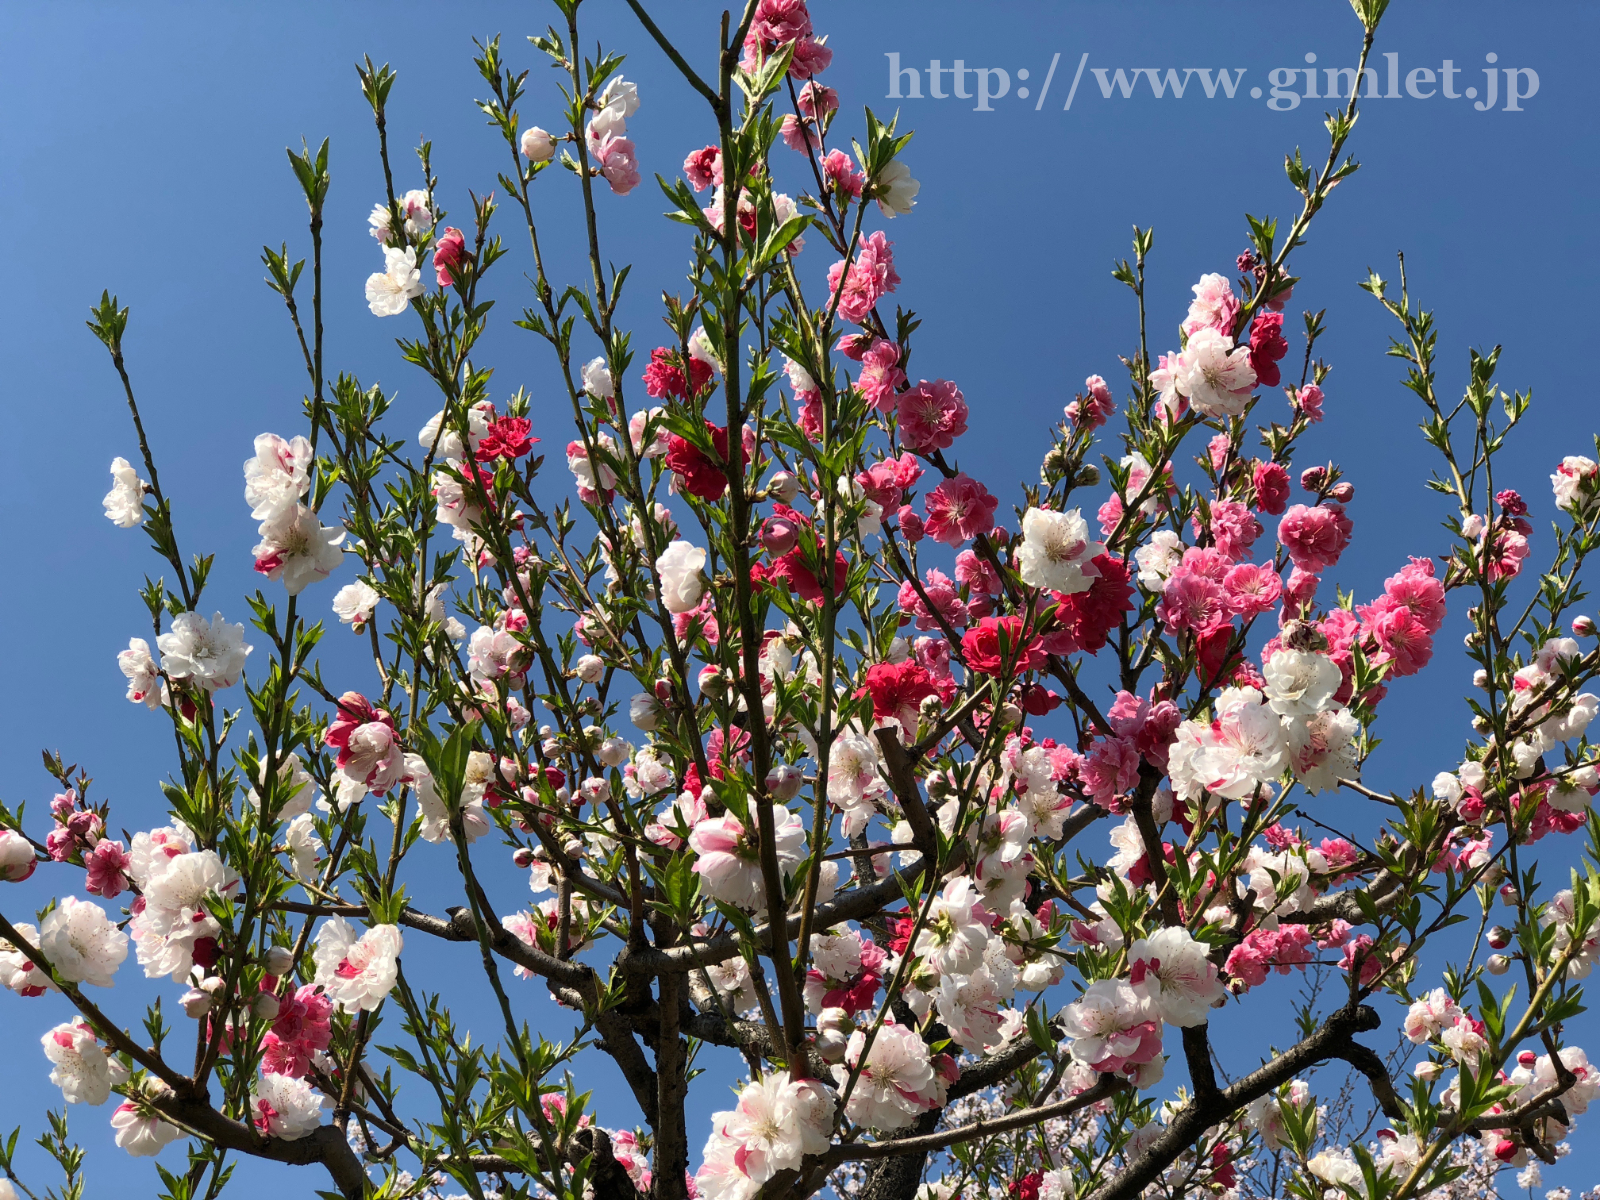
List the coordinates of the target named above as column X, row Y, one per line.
column 954, row 824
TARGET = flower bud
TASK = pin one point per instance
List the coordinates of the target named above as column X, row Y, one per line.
column 1088, row 476
column 279, row 961
column 537, row 145
column 784, row 781
column 1499, row 937
column 999, row 535
column 911, row 524
column 523, row 857
column 1508, row 895
column 1582, row 627
column 265, row 1007
column 1527, row 1059
column 1427, row 1070
column 1343, row 491
column 1498, row 964
column 614, row 751
column 1480, row 678
column 594, row 790
column 778, row 535
column 1010, row 715
column 784, row 487
column 591, row 668
column 644, row 711
column 1313, row 478
column 196, row 1003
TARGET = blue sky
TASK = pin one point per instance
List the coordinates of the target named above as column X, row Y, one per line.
column 144, row 151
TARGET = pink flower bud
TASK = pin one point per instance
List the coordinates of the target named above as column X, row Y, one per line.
column 1312, row 478
column 195, row 1003
column 778, row 535
column 1582, row 627
column 265, row 1007
column 1343, row 491
column 911, row 524
column 537, row 145
column 1499, row 937
column 523, row 858
column 1498, row 964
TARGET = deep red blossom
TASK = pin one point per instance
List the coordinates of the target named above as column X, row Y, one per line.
column 1267, row 346
column 698, row 474
column 996, row 647
column 791, row 569
column 897, row 691
column 1084, row 620
column 508, row 437
column 664, row 378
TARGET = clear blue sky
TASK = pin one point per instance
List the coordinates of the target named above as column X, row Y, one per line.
column 144, row 153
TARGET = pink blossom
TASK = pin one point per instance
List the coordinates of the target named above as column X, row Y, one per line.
column 942, row 593
column 932, row 415
column 1214, row 306
column 449, row 252
column 1415, row 587
column 1234, row 528
column 871, row 277
column 300, row 1031
column 616, row 160
column 841, row 173
column 1110, row 768
column 1309, row 401
column 703, row 168
column 911, row 525
column 797, row 134
column 1403, row 638
column 959, row 509
column 108, row 868
column 977, row 573
column 880, row 374
column 885, row 481
column 816, row 101
column 1095, row 408
column 1267, row 347
column 1193, row 602
column 1315, row 537
column 1300, row 591
column 1272, row 488
column 1252, row 589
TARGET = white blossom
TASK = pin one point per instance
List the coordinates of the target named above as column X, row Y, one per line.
column 898, row 1083
column 278, row 476
column 285, row 1107
column 82, row 943
column 208, row 653
column 1057, row 552
column 79, row 1066
column 297, row 549
column 680, row 567
column 357, row 972
column 145, row 685
column 391, row 290
column 895, row 190
column 354, row 604
column 124, row 503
